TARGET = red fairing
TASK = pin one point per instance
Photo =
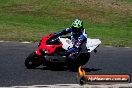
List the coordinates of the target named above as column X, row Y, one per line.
column 45, row 47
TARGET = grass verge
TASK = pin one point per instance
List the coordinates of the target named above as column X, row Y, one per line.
column 108, row 20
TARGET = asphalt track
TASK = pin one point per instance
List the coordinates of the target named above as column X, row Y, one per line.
column 108, row 60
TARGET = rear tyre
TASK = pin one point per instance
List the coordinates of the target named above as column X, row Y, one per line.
column 84, row 58
column 80, row 61
column 73, row 66
column 33, row 61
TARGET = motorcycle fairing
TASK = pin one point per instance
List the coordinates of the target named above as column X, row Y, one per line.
column 66, row 43
column 48, row 48
column 91, row 44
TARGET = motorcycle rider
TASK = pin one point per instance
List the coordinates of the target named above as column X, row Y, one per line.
column 78, row 37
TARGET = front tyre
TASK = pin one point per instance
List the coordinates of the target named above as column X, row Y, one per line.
column 33, row 61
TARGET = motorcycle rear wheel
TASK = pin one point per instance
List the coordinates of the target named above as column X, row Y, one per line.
column 33, row 61
column 80, row 61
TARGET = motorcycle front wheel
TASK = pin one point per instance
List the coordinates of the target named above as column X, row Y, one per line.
column 33, row 61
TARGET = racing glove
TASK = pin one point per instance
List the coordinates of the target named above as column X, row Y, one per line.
column 72, row 53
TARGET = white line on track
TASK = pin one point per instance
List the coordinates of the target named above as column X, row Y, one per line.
column 127, row 85
column 25, row 42
column 4, row 41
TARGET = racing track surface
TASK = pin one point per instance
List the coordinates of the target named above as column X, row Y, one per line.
column 108, row 60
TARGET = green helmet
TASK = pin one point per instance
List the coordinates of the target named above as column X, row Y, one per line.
column 77, row 25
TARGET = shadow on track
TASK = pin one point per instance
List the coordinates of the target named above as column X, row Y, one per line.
column 66, row 69
column 53, row 69
column 91, row 69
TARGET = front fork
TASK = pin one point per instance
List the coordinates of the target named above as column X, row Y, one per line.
column 40, row 53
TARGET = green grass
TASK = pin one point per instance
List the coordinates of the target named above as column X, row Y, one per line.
column 26, row 20
column 129, row 0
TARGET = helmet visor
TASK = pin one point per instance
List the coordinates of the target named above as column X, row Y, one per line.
column 76, row 30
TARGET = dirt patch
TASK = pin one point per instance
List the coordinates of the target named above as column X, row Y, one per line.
column 103, row 11
column 106, row 5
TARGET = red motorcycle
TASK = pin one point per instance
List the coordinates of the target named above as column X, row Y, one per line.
column 52, row 52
